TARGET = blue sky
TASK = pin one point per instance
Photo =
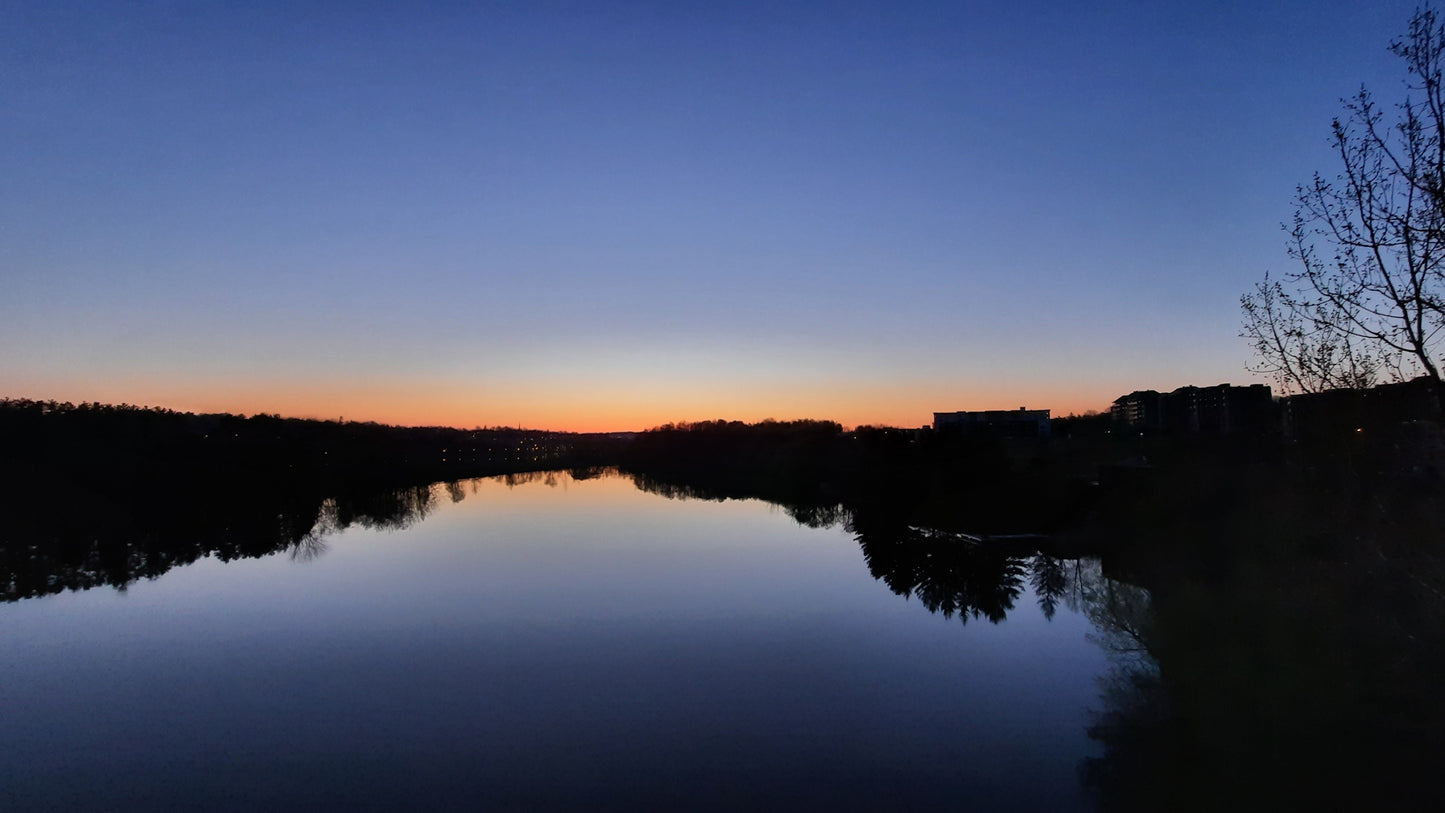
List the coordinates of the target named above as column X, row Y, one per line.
column 610, row 215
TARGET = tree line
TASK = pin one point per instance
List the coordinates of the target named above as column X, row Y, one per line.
column 97, row 442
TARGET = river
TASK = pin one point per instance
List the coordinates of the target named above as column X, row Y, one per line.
column 543, row 642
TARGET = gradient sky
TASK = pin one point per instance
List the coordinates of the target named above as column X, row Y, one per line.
column 612, row 215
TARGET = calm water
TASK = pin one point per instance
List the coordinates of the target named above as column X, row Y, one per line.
column 578, row 644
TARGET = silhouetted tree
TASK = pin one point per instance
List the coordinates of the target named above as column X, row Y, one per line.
column 1050, row 582
column 1302, row 343
column 1369, row 292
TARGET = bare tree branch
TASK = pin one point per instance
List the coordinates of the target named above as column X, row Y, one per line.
column 1368, row 294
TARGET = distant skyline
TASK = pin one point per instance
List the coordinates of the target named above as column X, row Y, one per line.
column 608, row 216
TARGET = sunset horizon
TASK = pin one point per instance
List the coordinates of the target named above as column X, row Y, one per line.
column 597, row 418
column 586, row 217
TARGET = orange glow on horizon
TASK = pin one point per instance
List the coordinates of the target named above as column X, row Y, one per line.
column 613, row 409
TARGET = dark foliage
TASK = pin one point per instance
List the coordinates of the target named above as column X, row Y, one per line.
column 126, row 442
column 96, row 494
column 1291, row 649
column 978, row 483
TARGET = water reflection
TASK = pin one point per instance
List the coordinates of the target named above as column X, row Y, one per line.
column 1254, row 683
column 806, row 508
column 59, row 545
column 1225, row 691
column 566, row 646
column 949, row 573
column 954, row 574
column 1240, row 668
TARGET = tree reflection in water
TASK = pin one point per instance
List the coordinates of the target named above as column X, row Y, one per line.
column 950, row 573
column 1245, row 691
column 1260, row 684
column 53, row 546
column 1257, row 676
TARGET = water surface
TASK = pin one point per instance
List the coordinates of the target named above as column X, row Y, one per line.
column 555, row 643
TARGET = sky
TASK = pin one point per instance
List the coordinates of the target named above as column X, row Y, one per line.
column 607, row 216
